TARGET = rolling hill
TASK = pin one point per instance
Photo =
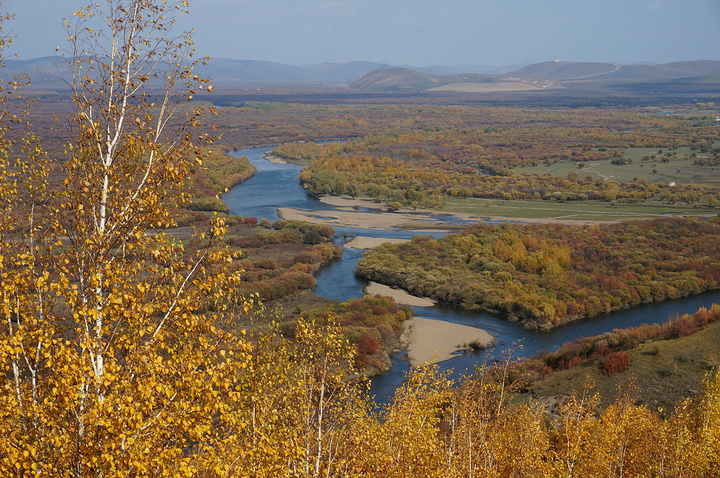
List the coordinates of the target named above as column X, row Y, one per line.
column 397, row 79
column 48, row 72
column 683, row 78
column 407, row 80
column 561, row 70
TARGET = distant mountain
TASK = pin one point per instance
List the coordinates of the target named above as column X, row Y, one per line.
column 47, row 72
column 224, row 71
column 560, row 70
column 50, row 73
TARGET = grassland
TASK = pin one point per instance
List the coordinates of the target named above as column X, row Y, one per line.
column 661, row 372
column 679, row 168
column 575, row 211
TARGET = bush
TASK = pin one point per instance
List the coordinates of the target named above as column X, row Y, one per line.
column 616, row 362
column 366, row 345
column 210, row 204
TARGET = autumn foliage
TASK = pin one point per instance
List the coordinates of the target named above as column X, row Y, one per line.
column 372, row 326
column 547, row 275
column 616, row 362
column 127, row 352
column 463, row 152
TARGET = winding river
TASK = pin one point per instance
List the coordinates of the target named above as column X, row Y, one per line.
column 276, row 185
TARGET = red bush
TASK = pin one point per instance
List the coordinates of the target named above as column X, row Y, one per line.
column 367, row 345
column 616, row 362
column 575, row 361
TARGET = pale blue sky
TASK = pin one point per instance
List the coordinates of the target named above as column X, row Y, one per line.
column 421, row 32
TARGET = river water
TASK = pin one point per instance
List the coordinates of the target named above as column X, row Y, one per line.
column 276, row 185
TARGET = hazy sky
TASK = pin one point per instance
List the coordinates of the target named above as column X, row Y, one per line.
column 421, row 32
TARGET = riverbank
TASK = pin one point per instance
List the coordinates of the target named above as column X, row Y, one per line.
column 428, row 340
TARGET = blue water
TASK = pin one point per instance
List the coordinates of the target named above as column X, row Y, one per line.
column 276, row 185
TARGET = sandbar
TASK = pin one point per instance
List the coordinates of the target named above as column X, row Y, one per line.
column 355, row 203
column 428, row 340
column 365, row 242
column 400, row 296
column 362, row 220
column 274, row 159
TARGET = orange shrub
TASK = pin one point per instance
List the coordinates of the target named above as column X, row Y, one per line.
column 616, row 362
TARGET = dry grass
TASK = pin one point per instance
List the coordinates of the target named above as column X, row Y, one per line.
column 663, row 372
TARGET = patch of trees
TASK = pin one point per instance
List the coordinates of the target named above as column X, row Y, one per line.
column 430, row 183
column 372, row 325
column 225, row 171
column 547, row 275
column 281, row 261
column 473, row 153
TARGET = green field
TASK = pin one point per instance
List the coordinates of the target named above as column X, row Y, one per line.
column 573, row 211
column 679, row 168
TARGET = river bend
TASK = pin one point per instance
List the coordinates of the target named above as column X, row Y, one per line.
column 276, row 185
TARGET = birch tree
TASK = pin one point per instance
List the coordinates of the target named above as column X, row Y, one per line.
column 117, row 343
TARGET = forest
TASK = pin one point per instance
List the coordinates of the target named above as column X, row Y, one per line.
column 481, row 152
column 135, row 336
column 547, row 275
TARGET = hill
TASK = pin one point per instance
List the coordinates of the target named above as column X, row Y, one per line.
column 561, row 70
column 225, row 71
column 408, row 80
column 397, row 79
column 687, row 78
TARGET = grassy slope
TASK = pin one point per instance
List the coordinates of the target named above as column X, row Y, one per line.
column 663, row 371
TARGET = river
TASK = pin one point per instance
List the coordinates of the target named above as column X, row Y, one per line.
column 276, row 185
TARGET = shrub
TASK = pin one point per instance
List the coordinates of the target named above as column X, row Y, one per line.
column 574, row 362
column 367, row 345
column 616, row 362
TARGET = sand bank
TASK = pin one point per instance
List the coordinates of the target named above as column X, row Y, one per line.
column 353, row 203
column 274, row 159
column 362, row 220
column 400, row 296
column 364, row 242
column 428, row 340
